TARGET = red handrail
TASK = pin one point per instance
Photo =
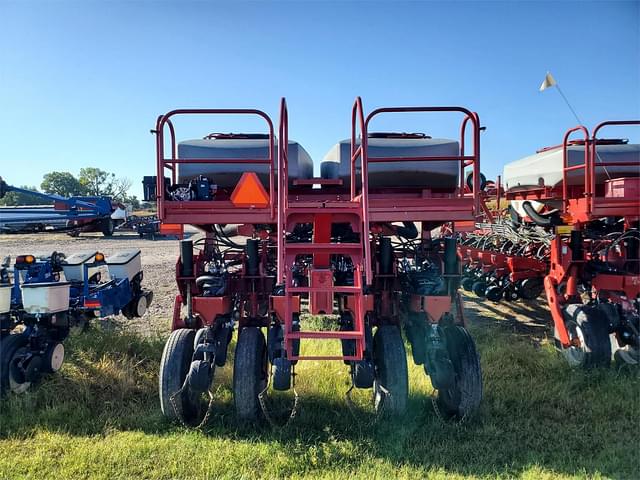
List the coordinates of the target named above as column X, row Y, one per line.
column 357, row 114
column 361, row 151
column 283, row 185
column 476, row 164
column 594, row 155
column 163, row 162
column 566, row 168
column 465, row 160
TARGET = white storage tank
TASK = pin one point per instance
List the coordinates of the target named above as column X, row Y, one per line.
column 125, row 264
column 237, row 146
column 440, row 175
column 45, row 298
column 73, row 266
column 5, row 298
column 545, row 168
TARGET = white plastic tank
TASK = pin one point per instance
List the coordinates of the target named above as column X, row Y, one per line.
column 45, row 298
column 545, row 168
column 5, row 299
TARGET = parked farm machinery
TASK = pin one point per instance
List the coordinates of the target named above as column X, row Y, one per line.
column 572, row 232
column 505, row 262
column 280, row 245
column 72, row 215
column 50, row 296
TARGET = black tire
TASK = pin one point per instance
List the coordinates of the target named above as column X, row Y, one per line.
column 463, row 398
column 531, row 288
column 390, row 359
column 511, row 294
column 107, row 227
column 8, row 348
column 281, row 377
column 174, row 366
column 363, row 374
column 249, row 373
column 494, row 293
column 467, row 284
column 591, row 328
column 416, row 331
column 624, row 356
column 480, row 289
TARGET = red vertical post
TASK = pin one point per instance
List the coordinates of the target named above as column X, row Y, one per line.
column 283, row 185
column 498, row 194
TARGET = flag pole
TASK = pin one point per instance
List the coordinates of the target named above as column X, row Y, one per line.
column 568, row 104
column 554, row 83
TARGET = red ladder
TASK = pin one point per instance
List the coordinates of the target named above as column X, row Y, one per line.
column 322, row 215
column 321, row 296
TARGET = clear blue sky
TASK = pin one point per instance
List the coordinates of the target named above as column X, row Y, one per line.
column 81, row 83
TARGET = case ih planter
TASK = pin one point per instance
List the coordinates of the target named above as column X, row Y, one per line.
column 322, row 246
column 48, row 307
column 575, row 210
column 593, row 285
column 503, row 261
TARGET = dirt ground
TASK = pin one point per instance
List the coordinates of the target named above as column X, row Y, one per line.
column 159, row 258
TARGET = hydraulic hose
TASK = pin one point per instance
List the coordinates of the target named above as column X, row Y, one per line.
column 408, row 230
column 542, row 219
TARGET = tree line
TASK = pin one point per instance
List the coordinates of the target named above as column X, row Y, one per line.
column 91, row 181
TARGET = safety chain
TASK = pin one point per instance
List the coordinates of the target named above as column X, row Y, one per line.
column 262, row 396
column 436, row 408
column 386, row 394
column 209, row 412
column 185, row 387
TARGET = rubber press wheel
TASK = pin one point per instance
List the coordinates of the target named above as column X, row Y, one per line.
column 494, row 293
column 467, row 284
column 391, row 385
column 464, row 396
column 249, row 373
column 174, row 366
column 479, row 288
column 10, row 346
column 590, row 328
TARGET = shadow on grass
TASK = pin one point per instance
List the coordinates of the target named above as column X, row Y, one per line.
column 528, row 319
column 536, row 411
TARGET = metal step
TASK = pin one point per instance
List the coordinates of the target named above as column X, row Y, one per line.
column 337, row 248
column 330, row 289
column 328, row 335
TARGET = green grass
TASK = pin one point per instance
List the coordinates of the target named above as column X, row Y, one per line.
column 99, row 417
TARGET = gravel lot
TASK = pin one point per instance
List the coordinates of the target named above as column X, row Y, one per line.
column 158, row 262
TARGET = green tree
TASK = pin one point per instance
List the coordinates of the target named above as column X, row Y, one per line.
column 62, row 183
column 96, row 181
column 132, row 201
column 119, row 189
column 18, row 198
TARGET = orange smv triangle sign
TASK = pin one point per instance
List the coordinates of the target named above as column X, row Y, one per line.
column 249, row 192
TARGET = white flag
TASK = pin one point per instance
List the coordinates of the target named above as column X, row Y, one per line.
column 549, row 81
